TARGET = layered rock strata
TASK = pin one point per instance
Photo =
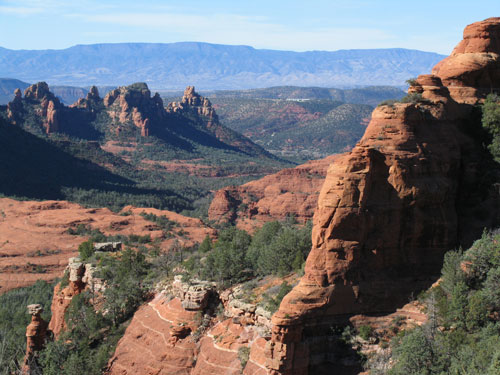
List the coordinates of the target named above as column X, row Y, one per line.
column 164, row 329
column 181, row 334
column 419, row 183
column 472, row 70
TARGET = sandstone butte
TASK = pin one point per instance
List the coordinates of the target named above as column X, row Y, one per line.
column 35, row 243
column 290, row 192
column 415, row 186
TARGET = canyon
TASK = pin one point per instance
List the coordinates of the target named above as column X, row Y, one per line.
column 419, row 183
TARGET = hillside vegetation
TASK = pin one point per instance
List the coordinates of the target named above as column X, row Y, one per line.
column 91, row 157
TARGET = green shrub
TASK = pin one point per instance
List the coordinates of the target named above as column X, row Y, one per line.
column 462, row 333
column 271, row 303
column 491, row 122
column 86, row 250
column 411, row 82
column 413, row 98
column 389, row 102
column 243, row 355
column 365, row 332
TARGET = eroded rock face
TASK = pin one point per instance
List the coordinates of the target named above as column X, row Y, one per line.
column 473, row 68
column 90, row 102
column 180, row 325
column 81, row 276
column 15, row 105
column 63, row 296
column 161, row 328
column 38, row 91
column 290, row 192
column 192, row 101
column 195, row 295
column 36, row 334
column 134, row 104
column 391, row 208
column 47, row 106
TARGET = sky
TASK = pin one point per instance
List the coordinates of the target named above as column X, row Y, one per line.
column 328, row 25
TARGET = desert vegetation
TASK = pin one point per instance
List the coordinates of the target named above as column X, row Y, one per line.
column 96, row 322
column 462, row 335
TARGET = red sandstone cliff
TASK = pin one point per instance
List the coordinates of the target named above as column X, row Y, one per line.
column 290, row 192
column 391, row 208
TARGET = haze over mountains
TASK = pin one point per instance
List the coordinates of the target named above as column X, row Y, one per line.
column 213, row 66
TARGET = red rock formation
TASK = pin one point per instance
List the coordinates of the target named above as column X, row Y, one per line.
column 89, row 101
column 192, row 101
column 392, row 207
column 38, row 91
column 134, row 104
column 36, row 333
column 168, row 329
column 149, row 347
column 473, row 70
column 199, row 109
column 15, row 105
column 63, row 296
column 160, row 338
column 47, row 106
column 292, row 191
column 52, row 124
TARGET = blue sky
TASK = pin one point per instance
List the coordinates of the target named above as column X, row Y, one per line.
column 286, row 25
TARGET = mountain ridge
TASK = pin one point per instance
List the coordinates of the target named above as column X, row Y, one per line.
column 213, row 66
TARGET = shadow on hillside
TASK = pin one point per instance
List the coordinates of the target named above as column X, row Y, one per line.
column 34, row 168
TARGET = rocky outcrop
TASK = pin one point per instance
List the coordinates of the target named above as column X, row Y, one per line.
column 157, row 341
column 195, row 295
column 181, row 333
column 64, row 294
column 52, row 124
column 473, row 69
column 36, row 334
column 134, row 104
column 90, row 102
column 80, row 276
column 391, row 208
column 107, row 246
column 193, row 102
column 15, row 106
column 46, row 104
column 38, row 92
column 167, row 329
column 199, row 109
column 290, row 192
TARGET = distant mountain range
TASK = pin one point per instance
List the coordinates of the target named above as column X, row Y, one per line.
column 67, row 94
column 213, row 66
